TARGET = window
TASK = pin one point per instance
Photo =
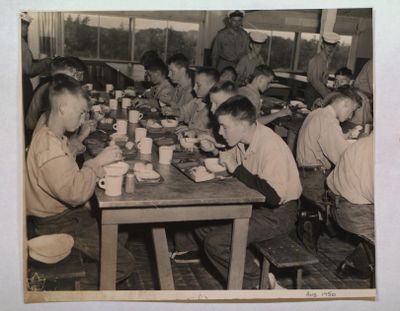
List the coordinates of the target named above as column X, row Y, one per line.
column 114, row 38
column 342, row 54
column 81, row 33
column 277, row 50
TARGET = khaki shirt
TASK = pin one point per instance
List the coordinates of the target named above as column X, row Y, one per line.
column 39, row 104
column 163, row 92
column 195, row 118
column 252, row 95
column 246, row 67
column 353, row 176
column 182, row 95
column 320, row 140
column 364, row 80
column 318, row 74
column 53, row 180
column 269, row 157
column 230, row 45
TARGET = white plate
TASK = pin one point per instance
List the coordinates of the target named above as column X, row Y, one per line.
column 148, row 174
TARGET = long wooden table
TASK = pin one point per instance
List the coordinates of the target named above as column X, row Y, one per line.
column 177, row 199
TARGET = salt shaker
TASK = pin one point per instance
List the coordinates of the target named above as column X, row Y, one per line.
column 130, row 183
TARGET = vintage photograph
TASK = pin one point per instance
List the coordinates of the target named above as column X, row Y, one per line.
column 198, row 152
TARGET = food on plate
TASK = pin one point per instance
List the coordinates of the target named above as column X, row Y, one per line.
column 200, row 173
column 153, row 124
column 145, row 171
column 213, row 165
column 106, row 121
column 129, row 145
column 169, row 123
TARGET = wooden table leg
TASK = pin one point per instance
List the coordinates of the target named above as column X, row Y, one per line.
column 108, row 259
column 163, row 262
column 238, row 253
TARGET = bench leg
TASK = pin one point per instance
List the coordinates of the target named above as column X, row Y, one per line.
column 299, row 278
column 264, row 282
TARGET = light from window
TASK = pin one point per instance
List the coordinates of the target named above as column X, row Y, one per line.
column 114, row 38
column 281, row 50
column 80, row 34
column 182, row 38
column 308, row 48
column 341, row 56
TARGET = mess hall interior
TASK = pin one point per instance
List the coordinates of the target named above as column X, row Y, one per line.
column 198, row 150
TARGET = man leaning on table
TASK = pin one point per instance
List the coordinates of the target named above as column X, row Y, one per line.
column 260, row 159
column 57, row 190
column 321, row 140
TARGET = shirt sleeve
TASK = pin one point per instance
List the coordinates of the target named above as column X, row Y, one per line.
column 332, row 142
column 62, row 179
column 240, row 69
column 216, row 50
column 315, row 76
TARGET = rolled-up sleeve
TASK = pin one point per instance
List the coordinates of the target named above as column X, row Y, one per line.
column 315, row 75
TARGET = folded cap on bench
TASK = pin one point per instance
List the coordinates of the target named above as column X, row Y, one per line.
column 50, row 248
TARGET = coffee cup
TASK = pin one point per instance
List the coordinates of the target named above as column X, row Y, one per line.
column 119, row 93
column 135, row 116
column 113, row 104
column 126, row 103
column 165, row 154
column 145, row 145
column 109, row 88
column 121, row 126
column 140, row 133
column 112, row 184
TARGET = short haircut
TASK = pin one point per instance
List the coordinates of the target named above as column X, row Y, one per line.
column 225, row 86
column 148, row 57
column 210, row 73
column 262, row 70
column 68, row 62
column 231, row 70
column 238, row 107
column 343, row 92
column 344, row 71
column 179, row 60
column 63, row 84
column 158, row 65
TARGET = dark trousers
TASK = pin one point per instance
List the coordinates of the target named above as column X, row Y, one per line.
column 84, row 228
column 313, row 182
column 265, row 224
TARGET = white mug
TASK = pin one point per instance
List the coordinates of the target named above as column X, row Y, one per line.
column 121, row 127
column 145, row 145
column 119, row 93
column 109, row 87
column 135, row 116
column 112, row 184
column 140, row 133
column 126, row 103
column 165, row 154
column 113, row 104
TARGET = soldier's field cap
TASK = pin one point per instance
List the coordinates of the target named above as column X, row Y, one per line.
column 236, row 13
column 258, row 37
column 25, row 17
column 331, row 38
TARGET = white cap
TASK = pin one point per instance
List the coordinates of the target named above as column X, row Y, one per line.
column 25, row 17
column 331, row 37
column 258, row 37
column 236, row 13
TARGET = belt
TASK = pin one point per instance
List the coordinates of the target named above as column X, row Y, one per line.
column 312, row 168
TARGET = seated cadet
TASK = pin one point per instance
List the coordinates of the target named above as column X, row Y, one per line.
column 228, row 74
column 321, row 140
column 196, row 113
column 178, row 66
column 259, row 82
column 343, row 76
column 353, row 180
column 70, row 66
column 56, row 189
column 249, row 62
column 261, row 160
column 148, row 58
column 162, row 90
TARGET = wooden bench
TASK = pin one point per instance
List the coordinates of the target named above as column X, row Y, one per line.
column 283, row 252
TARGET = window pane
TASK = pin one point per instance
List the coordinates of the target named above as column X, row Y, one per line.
column 149, row 35
column 339, row 59
column 281, row 49
column 308, row 48
column 114, row 38
column 182, row 38
column 80, row 32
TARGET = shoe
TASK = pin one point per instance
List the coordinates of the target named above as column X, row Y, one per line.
column 186, row 257
column 346, row 269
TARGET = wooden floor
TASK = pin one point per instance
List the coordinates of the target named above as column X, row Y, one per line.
column 201, row 276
